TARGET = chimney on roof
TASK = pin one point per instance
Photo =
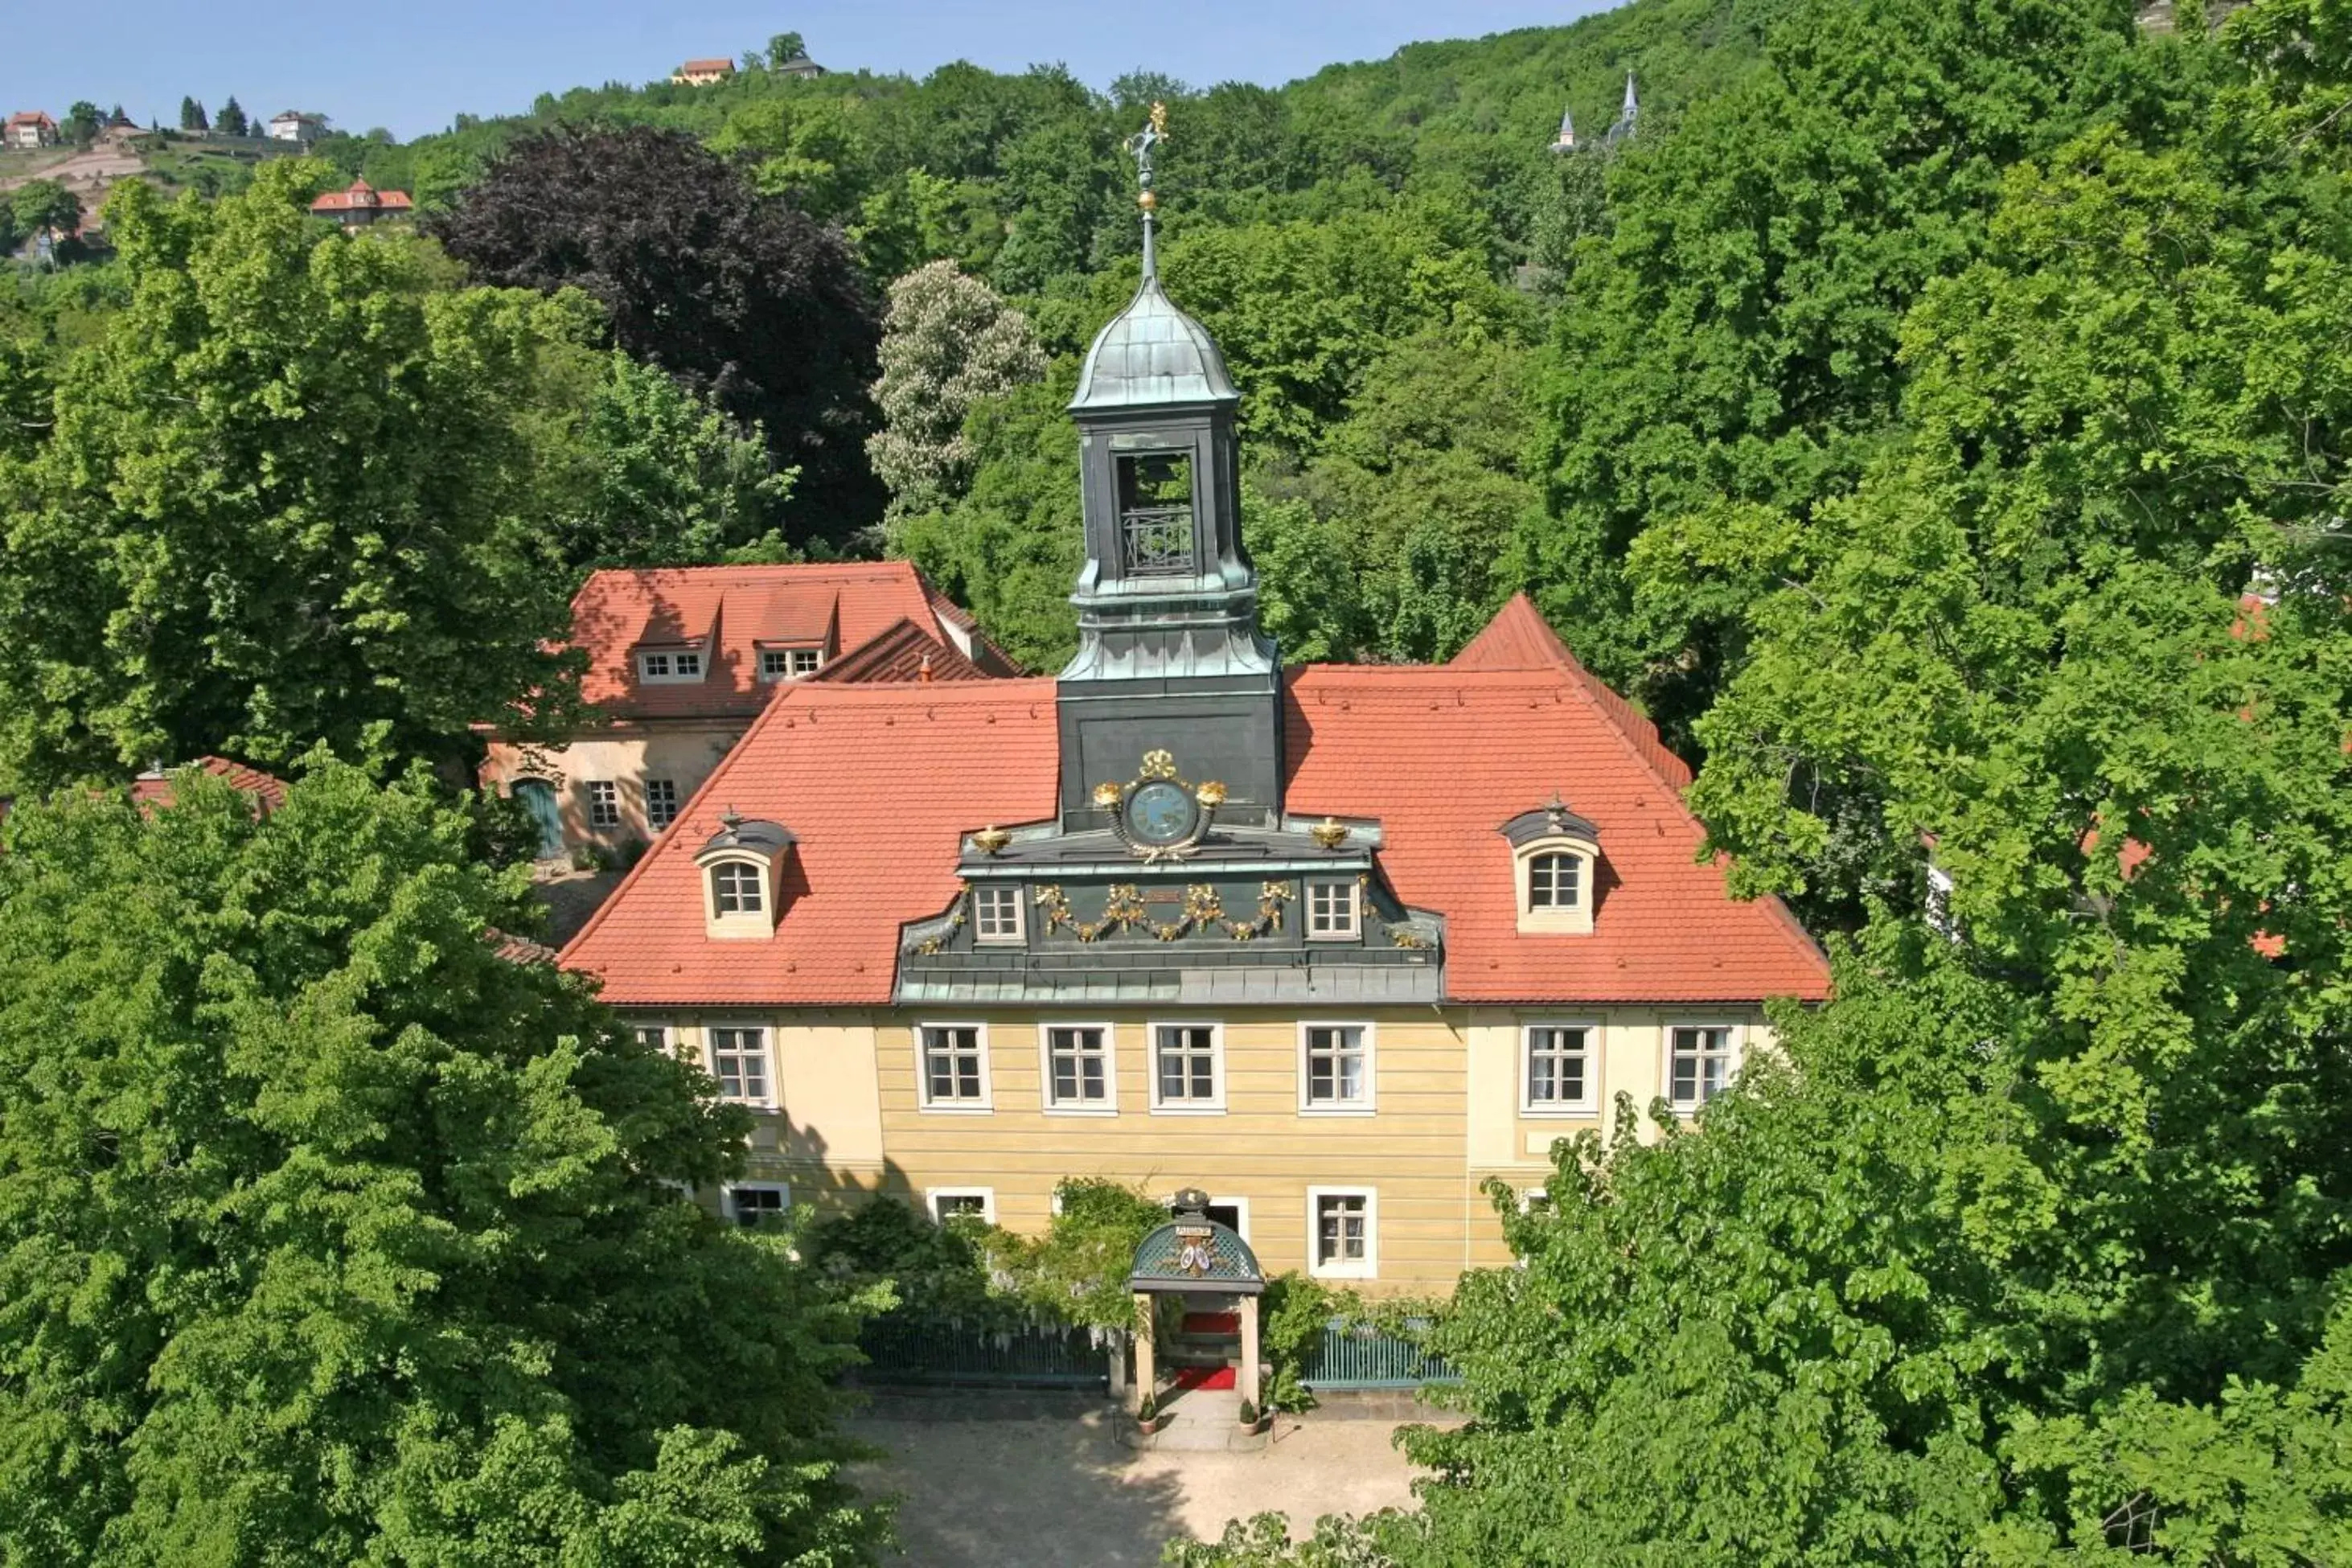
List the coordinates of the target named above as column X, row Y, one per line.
column 925, row 672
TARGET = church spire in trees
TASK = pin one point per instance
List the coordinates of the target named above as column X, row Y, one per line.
column 1622, row 128
column 1566, row 141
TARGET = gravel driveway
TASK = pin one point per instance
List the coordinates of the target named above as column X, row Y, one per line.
column 1061, row 1492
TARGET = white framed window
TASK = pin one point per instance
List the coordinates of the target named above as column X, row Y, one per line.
column 671, row 666
column 790, row 663
column 603, row 803
column 1557, row 1070
column 1343, row 1233
column 756, row 1206
column 971, row 1203
column 996, row 913
column 736, row 888
column 1332, row 910
column 661, row 803
column 739, row 1060
column 1335, row 1068
column 1187, row 1069
column 1555, row 881
column 1701, row 1061
column 654, row 1036
column 1555, row 875
column 952, row 1066
column 1080, row 1069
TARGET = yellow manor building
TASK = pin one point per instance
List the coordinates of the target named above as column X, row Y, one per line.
column 1332, row 944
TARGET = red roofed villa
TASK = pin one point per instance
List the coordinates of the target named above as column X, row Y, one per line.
column 1311, row 952
column 680, row 661
column 361, row 204
column 29, row 129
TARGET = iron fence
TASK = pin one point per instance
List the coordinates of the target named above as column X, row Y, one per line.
column 1355, row 1356
column 1031, row 1356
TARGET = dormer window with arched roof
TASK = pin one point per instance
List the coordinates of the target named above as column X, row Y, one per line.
column 742, row 866
column 1556, row 864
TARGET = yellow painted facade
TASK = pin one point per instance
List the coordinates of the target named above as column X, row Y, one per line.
column 845, row 1116
column 684, row 753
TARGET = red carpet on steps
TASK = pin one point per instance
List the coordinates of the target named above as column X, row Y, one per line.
column 1187, row 1378
column 1213, row 1322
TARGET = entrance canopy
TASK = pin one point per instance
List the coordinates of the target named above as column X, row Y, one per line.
column 1193, row 1252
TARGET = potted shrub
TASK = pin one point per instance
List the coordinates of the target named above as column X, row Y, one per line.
column 1149, row 1416
column 1252, row 1418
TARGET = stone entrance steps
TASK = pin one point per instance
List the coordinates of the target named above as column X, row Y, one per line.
column 1199, row 1421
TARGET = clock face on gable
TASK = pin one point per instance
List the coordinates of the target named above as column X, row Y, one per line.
column 1160, row 812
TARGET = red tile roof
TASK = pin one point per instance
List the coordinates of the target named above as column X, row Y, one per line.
column 359, row 195
column 735, row 611
column 518, row 949
column 991, row 660
column 877, row 780
column 267, row 790
column 31, row 117
column 700, row 68
column 905, row 652
column 1444, row 754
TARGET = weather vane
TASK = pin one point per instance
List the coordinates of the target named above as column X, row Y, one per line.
column 1141, row 144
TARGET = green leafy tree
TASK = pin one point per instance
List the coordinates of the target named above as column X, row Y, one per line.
column 807, row 150
column 786, row 47
column 2037, row 1245
column 82, row 123
column 946, row 341
column 1265, row 1542
column 45, row 207
column 1302, row 310
column 329, row 1235
column 231, row 120
column 1010, row 548
column 290, row 495
column 666, row 478
column 1733, row 332
column 738, row 294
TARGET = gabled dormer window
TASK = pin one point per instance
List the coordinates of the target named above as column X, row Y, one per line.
column 790, row 663
column 742, row 866
column 1555, row 867
column 671, row 667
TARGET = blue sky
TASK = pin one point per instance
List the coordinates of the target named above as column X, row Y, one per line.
column 411, row 65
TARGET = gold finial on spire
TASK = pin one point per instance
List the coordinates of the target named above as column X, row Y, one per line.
column 1142, row 145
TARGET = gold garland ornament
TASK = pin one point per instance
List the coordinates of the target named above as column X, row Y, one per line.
column 1123, row 910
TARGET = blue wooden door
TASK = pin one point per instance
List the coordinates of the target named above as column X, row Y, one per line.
column 538, row 797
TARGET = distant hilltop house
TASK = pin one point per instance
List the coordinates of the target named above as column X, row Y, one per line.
column 798, row 66
column 31, row 128
column 361, row 204
column 702, row 73
column 295, row 126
